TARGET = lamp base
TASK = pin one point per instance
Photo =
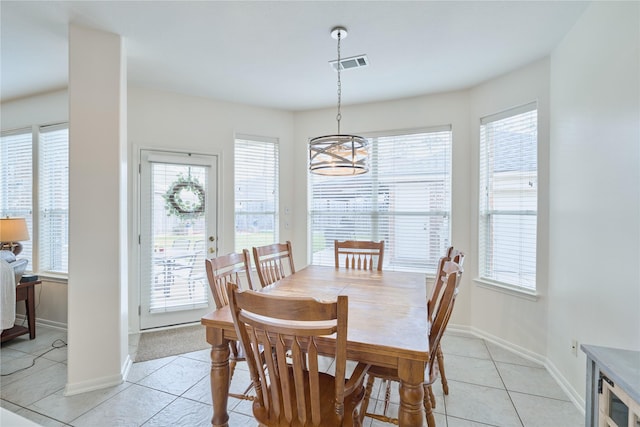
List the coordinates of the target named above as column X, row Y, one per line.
column 14, row 247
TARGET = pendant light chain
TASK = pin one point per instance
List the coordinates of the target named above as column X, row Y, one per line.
column 339, row 115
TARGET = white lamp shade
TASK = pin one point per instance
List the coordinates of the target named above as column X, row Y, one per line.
column 13, row 230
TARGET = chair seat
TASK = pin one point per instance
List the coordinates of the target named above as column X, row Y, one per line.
column 391, row 374
column 327, row 395
column 384, row 373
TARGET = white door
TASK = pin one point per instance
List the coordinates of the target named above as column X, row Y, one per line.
column 178, row 229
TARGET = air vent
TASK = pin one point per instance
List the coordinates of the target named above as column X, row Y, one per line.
column 350, row 63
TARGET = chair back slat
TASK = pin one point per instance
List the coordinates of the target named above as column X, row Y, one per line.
column 360, row 255
column 287, row 377
column 273, row 262
column 438, row 283
column 225, row 269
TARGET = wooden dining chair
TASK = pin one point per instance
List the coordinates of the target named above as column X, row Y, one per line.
column 442, row 314
column 458, row 258
column 231, row 268
column 291, row 390
column 359, row 254
column 273, row 262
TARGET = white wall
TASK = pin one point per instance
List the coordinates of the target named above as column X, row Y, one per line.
column 43, row 109
column 594, row 271
column 509, row 317
column 168, row 121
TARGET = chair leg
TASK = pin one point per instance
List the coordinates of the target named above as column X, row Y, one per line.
column 356, row 417
column 443, row 377
column 432, row 397
column 428, row 409
column 387, row 397
column 365, row 400
column 245, row 395
column 232, row 368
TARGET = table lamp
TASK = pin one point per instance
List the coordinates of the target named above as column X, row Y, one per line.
column 12, row 232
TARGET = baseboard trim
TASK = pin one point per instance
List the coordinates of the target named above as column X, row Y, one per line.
column 520, row 351
column 126, row 367
column 20, row 318
column 51, row 324
column 575, row 397
column 72, row 389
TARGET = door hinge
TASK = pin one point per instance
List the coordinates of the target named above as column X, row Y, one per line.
column 139, row 167
column 603, row 377
column 139, row 310
column 139, row 240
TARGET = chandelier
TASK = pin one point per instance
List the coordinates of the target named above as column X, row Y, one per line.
column 338, row 154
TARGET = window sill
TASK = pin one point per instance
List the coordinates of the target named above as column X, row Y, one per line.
column 55, row 278
column 507, row 289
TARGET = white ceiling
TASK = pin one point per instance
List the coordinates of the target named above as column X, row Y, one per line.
column 276, row 53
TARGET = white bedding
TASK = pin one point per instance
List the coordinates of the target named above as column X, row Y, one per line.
column 8, row 297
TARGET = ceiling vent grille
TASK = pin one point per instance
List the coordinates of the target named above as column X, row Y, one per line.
column 350, row 63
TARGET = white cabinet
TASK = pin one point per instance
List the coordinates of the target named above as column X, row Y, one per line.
column 616, row 408
column 613, row 387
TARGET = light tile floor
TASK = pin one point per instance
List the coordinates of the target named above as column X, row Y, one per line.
column 488, row 386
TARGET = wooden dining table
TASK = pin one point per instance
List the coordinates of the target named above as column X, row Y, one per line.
column 387, row 326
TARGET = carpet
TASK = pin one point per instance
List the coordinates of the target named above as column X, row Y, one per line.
column 169, row 342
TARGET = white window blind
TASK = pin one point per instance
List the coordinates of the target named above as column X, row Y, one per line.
column 256, row 191
column 16, row 176
column 509, row 197
column 53, row 198
column 405, row 200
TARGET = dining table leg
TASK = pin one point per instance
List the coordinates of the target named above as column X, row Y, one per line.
column 411, row 410
column 219, row 376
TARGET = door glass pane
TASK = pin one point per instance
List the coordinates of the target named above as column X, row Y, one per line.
column 178, row 227
column 618, row 411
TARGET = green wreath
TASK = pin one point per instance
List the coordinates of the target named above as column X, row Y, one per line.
column 185, row 198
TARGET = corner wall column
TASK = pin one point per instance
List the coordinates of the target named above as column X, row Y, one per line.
column 97, row 290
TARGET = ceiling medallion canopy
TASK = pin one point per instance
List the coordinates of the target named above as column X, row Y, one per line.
column 339, row 154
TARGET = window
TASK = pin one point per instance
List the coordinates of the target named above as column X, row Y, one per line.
column 404, row 199
column 16, row 170
column 509, row 197
column 256, row 191
column 48, row 159
column 53, row 199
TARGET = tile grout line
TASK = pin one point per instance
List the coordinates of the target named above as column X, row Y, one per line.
column 503, row 383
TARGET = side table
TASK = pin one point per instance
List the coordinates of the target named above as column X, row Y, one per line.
column 24, row 292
